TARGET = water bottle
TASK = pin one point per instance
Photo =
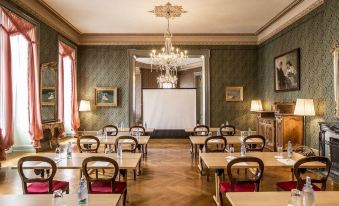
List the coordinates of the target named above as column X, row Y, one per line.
column 289, row 150
column 249, row 132
column 57, row 198
column 218, row 132
column 69, row 150
column 145, row 125
column 122, row 125
column 57, row 153
column 106, row 151
column 119, row 151
column 308, row 193
column 227, row 123
column 82, row 193
column 243, row 149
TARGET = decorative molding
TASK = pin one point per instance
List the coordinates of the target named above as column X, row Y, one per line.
column 50, row 17
column 296, row 12
column 158, row 39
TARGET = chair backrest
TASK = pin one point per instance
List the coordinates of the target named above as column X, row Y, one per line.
column 87, row 171
column 297, row 171
column 215, row 144
column 250, row 146
column 134, row 129
column 304, row 150
column 131, row 141
column 110, row 130
column 26, row 180
column 201, row 130
column 256, row 178
column 227, row 130
column 87, row 147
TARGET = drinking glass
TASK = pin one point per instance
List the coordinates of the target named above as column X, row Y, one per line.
column 280, row 151
column 231, row 149
column 57, row 153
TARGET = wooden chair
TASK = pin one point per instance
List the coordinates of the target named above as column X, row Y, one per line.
column 227, row 130
column 104, row 185
column 110, row 130
column 136, row 128
column 254, row 147
column 289, row 185
column 305, row 150
column 201, row 130
column 84, row 147
column 235, row 184
column 40, row 185
column 133, row 147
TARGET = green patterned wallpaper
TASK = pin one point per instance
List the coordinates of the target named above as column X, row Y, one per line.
column 108, row 66
column 316, row 35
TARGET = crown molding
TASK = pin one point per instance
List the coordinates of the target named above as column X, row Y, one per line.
column 296, row 10
column 44, row 13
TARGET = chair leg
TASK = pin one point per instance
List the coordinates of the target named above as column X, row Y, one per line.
column 67, row 190
column 96, row 173
column 124, row 198
column 221, row 200
column 135, row 174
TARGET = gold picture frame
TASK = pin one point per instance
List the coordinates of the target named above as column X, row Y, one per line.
column 106, row 96
column 234, row 94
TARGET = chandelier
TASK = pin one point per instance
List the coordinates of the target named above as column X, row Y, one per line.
column 169, row 58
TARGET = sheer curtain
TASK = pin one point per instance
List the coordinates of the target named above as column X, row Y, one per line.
column 67, row 94
column 12, row 26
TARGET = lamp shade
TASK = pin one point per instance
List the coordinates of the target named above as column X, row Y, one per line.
column 85, row 106
column 304, row 107
column 256, row 106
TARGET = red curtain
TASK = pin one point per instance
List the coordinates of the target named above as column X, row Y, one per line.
column 64, row 51
column 11, row 24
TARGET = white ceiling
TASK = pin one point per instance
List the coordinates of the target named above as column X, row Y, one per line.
column 132, row 16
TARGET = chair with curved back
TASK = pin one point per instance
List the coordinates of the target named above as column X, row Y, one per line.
column 235, row 184
column 110, row 130
column 201, row 130
column 107, row 185
column 305, row 150
column 227, row 130
column 216, row 140
column 254, row 147
column 40, row 185
column 129, row 144
column 137, row 128
column 289, row 185
column 89, row 140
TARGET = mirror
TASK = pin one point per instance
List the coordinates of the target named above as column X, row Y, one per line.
column 194, row 75
column 49, row 92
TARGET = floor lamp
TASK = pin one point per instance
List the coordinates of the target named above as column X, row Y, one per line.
column 304, row 107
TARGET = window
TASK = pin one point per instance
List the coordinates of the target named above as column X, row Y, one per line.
column 19, row 63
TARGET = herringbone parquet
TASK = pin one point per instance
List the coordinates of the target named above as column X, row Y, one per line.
column 169, row 177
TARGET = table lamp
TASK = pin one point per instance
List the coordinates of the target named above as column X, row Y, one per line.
column 85, row 106
column 256, row 105
column 304, row 107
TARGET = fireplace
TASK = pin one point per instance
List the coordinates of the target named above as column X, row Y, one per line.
column 329, row 143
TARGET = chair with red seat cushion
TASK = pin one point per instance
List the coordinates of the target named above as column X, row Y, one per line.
column 106, row 185
column 297, row 170
column 85, row 146
column 235, row 184
column 40, row 185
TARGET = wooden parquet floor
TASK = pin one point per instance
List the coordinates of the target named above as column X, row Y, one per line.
column 169, row 177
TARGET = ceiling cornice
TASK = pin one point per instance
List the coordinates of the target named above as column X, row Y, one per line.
column 296, row 10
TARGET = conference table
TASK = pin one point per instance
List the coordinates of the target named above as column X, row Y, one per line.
column 198, row 141
column 110, row 140
column 322, row 198
column 68, row 199
column 219, row 161
column 128, row 161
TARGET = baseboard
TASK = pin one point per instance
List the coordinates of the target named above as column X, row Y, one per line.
column 22, row 148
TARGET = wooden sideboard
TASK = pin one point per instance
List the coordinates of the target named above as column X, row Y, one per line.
column 52, row 132
column 279, row 128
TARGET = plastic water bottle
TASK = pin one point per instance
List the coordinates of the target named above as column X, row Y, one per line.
column 57, row 198
column 289, row 150
column 218, row 132
column 308, row 193
column 69, row 150
column 122, row 125
column 119, row 151
column 243, row 149
column 227, row 123
column 82, row 193
column 57, row 153
column 249, row 132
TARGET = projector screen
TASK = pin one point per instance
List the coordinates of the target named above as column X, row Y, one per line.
column 169, row 108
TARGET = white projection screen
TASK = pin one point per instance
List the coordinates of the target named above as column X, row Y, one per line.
column 169, row 108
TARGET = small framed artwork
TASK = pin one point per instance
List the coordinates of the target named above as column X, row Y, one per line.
column 48, row 96
column 287, row 71
column 106, row 96
column 234, row 94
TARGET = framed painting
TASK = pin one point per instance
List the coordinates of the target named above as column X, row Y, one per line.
column 234, row 94
column 48, row 96
column 287, row 71
column 106, row 96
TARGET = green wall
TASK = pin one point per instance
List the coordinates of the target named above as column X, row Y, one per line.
column 108, row 66
column 316, row 35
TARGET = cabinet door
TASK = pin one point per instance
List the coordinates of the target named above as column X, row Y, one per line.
column 280, row 132
column 293, row 130
column 270, row 141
